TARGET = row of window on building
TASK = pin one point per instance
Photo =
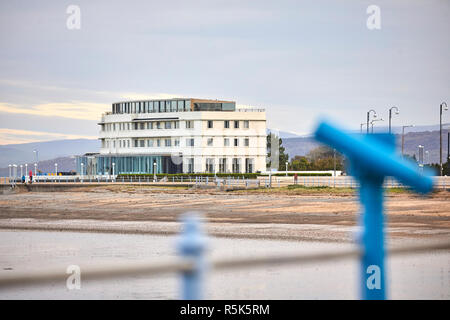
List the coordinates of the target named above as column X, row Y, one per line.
column 236, row 165
column 152, row 106
column 189, row 124
column 168, row 142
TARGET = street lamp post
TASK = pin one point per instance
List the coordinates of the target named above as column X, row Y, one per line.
column 35, row 169
column 15, row 172
column 440, row 135
column 56, row 169
column 287, row 163
column 82, row 168
column 420, row 157
column 420, row 154
column 21, row 171
column 403, row 136
column 390, row 116
column 361, row 127
column 368, row 118
column 154, row 171
column 374, row 120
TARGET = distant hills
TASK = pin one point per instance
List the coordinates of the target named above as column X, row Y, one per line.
column 428, row 139
column 23, row 153
column 62, row 151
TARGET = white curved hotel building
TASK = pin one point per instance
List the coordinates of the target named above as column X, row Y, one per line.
column 179, row 136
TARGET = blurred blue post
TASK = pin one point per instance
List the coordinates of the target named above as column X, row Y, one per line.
column 372, row 158
column 192, row 245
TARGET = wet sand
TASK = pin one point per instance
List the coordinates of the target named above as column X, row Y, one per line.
column 278, row 215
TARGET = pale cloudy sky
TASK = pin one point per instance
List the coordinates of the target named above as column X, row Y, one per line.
column 297, row 59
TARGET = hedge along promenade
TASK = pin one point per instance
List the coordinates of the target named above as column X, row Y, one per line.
column 222, row 175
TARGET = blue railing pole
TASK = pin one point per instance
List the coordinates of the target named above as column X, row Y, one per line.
column 192, row 245
column 372, row 240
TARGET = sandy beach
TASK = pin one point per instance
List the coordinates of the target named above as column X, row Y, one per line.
column 249, row 214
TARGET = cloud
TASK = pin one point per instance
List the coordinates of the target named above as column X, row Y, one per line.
column 74, row 110
column 13, row 136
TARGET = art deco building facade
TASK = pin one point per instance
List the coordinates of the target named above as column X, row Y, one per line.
column 179, row 136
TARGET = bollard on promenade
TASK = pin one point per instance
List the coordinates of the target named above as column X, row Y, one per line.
column 192, row 245
column 373, row 158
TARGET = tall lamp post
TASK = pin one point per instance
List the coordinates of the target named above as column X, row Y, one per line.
column 287, row 163
column 403, row 136
column 361, row 127
column 21, row 171
column 443, row 104
column 82, row 170
column 375, row 120
column 15, row 172
column 35, row 169
column 26, row 169
column 56, row 169
column 154, row 171
column 421, row 157
column 390, row 116
column 368, row 118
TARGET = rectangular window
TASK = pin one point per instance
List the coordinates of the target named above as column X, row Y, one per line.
column 168, row 125
column 223, row 165
column 210, row 124
column 142, row 143
column 190, row 165
column 246, row 124
column 249, row 165
column 176, row 142
column 226, row 142
column 236, row 124
column 158, row 125
column 189, row 124
column 150, row 143
column 168, row 142
column 246, row 142
column 158, row 143
column 190, row 142
column 150, row 106
column 128, row 143
column 210, row 165
column 176, row 124
column 226, row 124
column 136, row 126
column 136, row 143
column 187, row 105
column 173, row 105
column 236, row 165
column 236, row 142
column 180, row 105
column 210, row 142
column 142, row 125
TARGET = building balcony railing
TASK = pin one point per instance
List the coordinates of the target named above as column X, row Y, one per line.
column 251, row 110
